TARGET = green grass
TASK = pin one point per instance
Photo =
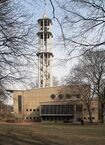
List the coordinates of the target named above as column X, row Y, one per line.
column 51, row 134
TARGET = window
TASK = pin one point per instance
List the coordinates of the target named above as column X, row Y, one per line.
column 34, row 109
column 84, row 117
column 84, row 109
column 20, row 103
column 93, row 118
column 60, row 96
column 30, row 117
column 26, row 117
column 45, row 37
column 41, row 23
column 26, row 109
column 30, row 109
column 48, row 23
column 37, row 109
column 45, row 23
column 48, row 36
column 41, row 81
column 52, row 96
column 41, row 36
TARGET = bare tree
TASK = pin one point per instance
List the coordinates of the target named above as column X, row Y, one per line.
column 16, row 41
column 91, row 70
column 76, row 79
column 83, row 24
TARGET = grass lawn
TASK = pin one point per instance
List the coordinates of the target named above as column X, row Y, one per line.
column 51, row 134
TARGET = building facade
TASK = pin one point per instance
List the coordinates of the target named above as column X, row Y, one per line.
column 54, row 104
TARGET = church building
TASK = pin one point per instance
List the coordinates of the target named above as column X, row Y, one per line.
column 48, row 103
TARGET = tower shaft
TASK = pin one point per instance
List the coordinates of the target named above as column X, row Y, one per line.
column 45, row 55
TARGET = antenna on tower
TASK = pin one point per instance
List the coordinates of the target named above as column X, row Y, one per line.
column 45, row 4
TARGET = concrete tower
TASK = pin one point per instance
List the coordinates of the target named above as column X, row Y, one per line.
column 45, row 52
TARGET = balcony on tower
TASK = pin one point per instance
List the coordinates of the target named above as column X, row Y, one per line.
column 45, row 34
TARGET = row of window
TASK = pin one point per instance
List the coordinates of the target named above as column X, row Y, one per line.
column 68, row 96
column 46, row 22
column 56, row 119
column 60, row 109
column 33, row 118
column 91, row 109
column 89, row 118
column 57, row 109
column 36, row 118
column 32, row 110
column 44, row 36
column 46, row 55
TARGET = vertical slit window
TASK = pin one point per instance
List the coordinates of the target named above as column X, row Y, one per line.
column 41, row 23
column 20, row 103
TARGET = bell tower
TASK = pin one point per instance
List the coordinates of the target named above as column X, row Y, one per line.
column 45, row 52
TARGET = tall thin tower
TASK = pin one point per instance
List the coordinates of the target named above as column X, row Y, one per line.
column 45, row 52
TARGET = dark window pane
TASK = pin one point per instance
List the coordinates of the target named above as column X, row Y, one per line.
column 52, row 96
column 57, row 109
column 41, row 23
column 20, row 103
column 60, row 96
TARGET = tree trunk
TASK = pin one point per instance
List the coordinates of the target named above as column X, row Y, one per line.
column 90, row 115
column 102, row 113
